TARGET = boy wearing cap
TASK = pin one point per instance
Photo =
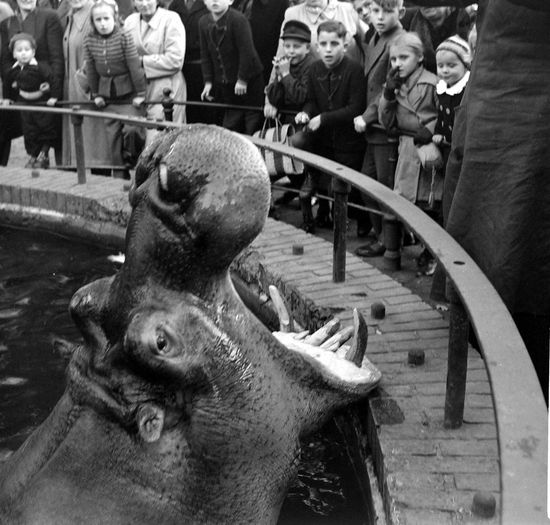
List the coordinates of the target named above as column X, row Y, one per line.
column 31, row 81
column 289, row 88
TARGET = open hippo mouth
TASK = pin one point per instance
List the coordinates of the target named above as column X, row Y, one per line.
column 338, row 355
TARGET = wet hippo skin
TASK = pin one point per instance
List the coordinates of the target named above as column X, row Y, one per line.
column 180, row 406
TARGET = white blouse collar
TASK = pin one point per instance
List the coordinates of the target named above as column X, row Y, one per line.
column 455, row 89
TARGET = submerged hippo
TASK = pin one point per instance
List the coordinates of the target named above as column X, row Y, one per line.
column 180, row 406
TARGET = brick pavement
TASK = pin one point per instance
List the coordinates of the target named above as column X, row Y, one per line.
column 427, row 474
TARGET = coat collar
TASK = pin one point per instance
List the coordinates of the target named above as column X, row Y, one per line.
column 156, row 20
column 454, row 89
column 81, row 17
column 378, row 48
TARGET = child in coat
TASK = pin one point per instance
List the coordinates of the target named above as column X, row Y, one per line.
column 409, row 104
column 453, row 60
column 288, row 90
column 32, row 81
column 335, row 94
column 231, row 67
column 381, row 150
column 114, row 74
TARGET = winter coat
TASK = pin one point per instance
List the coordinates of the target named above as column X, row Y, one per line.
column 414, row 107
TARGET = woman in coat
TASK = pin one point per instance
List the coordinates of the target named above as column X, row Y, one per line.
column 160, row 40
column 44, row 26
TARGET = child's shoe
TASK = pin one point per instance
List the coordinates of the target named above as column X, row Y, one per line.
column 30, row 162
column 42, row 161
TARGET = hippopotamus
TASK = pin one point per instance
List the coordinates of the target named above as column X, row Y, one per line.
column 180, row 406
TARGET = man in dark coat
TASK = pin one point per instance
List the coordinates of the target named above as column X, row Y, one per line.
column 190, row 12
column 266, row 18
column 497, row 183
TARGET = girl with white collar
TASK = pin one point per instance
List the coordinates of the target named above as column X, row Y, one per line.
column 453, row 59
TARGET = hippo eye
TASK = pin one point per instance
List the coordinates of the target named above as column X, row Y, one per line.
column 162, row 343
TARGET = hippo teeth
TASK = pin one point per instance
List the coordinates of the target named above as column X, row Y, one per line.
column 328, row 349
column 163, row 176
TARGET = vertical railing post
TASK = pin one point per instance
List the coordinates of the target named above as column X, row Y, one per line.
column 167, row 104
column 76, row 121
column 457, row 363
column 392, row 241
column 340, row 216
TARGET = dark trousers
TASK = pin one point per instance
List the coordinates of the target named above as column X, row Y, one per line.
column 318, row 182
column 40, row 130
column 245, row 121
column 379, row 164
column 193, row 78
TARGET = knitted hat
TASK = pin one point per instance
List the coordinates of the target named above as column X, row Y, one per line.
column 459, row 47
column 22, row 36
column 296, row 29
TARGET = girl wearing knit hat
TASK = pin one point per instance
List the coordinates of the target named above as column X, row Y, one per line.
column 453, row 59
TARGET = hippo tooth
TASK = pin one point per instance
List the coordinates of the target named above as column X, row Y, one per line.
column 285, row 319
column 163, row 176
column 360, row 339
column 321, row 335
column 150, row 420
column 340, row 337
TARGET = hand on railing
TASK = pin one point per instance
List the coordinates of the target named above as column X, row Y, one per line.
column 301, row 118
column 270, row 111
column 99, row 102
column 51, row 102
column 138, row 102
column 359, row 124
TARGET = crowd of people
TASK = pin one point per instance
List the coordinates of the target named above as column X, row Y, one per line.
column 371, row 84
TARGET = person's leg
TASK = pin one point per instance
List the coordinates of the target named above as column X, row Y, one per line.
column 193, row 76
column 369, row 169
column 5, row 149
column 30, row 137
column 254, row 97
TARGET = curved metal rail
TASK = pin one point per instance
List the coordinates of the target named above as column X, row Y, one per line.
column 521, row 413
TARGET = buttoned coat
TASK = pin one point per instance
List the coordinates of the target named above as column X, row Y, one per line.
column 338, row 100
column 113, row 65
column 45, row 27
column 77, row 24
column 161, row 44
column 414, row 107
column 233, row 57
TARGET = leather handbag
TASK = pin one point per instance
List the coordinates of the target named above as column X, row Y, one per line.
column 279, row 165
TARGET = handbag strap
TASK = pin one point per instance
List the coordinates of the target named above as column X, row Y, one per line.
column 278, row 126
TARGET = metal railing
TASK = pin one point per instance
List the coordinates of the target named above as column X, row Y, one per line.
column 520, row 410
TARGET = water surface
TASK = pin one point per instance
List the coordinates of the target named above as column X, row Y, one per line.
column 39, row 273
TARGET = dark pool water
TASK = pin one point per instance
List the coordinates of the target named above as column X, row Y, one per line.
column 39, row 273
